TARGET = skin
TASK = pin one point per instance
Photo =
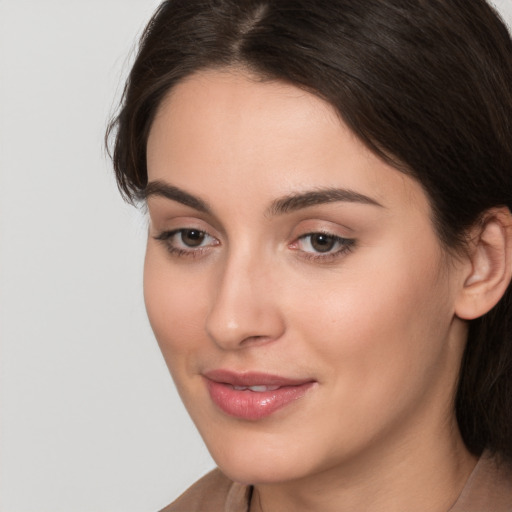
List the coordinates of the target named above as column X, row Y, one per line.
column 374, row 325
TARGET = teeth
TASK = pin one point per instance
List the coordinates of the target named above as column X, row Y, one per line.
column 260, row 389
column 256, row 389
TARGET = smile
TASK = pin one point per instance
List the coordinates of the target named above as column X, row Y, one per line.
column 253, row 396
column 255, row 389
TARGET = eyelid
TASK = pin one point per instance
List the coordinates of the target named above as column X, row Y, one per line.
column 345, row 245
column 167, row 237
column 167, row 215
column 168, row 222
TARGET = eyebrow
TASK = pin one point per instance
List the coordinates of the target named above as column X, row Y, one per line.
column 281, row 206
column 298, row 201
column 161, row 189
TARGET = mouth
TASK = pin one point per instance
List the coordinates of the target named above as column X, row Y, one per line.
column 253, row 396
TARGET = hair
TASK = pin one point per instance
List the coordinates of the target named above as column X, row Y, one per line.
column 425, row 84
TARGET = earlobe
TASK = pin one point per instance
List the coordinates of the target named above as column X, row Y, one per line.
column 489, row 265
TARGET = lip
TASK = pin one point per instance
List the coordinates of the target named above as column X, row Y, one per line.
column 253, row 405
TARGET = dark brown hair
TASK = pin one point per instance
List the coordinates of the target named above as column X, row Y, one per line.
column 425, row 84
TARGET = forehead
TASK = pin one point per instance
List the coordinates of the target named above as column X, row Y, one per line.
column 237, row 109
column 231, row 129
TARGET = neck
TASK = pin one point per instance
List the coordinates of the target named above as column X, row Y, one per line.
column 426, row 476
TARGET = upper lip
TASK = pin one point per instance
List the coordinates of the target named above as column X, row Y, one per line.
column 252, row 378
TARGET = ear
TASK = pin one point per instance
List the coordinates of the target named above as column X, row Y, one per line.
column 489, row 270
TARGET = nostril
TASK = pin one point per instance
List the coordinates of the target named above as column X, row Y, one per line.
column 255, row 340
column 241, row 311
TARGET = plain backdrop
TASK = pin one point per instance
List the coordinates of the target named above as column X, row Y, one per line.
column 90, row 420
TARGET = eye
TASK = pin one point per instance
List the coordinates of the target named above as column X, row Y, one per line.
column 187, row 241
column 318, row 242
column 192, row 237
column 323, row 245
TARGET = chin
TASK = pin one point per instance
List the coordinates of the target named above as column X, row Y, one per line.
column 259, row 458
column 260, row 472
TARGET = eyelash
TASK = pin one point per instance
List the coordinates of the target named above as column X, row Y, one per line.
column 167, row 238
column 346, row 245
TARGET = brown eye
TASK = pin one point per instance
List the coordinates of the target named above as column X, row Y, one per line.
column 192, row 237
column 324, row 245
column 187, row 242
column 321, row 242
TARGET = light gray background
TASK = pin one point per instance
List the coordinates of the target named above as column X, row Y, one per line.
column 90, row 421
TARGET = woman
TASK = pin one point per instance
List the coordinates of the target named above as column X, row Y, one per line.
column 329, row 254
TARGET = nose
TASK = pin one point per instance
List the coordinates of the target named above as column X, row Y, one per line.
column 245, row 306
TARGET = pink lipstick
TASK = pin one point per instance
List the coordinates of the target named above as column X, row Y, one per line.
column 252, row 396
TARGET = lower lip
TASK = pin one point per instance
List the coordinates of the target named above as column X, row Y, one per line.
column 252, row 405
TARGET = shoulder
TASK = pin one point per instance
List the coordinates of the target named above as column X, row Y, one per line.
column 214, row 492
column 489, row 487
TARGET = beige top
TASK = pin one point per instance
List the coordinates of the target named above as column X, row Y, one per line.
column 488, row 489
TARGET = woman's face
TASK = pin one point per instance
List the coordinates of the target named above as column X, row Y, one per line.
column 294, row 283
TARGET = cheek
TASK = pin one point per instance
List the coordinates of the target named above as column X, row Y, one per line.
column 176, row 306
column 379, row 325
